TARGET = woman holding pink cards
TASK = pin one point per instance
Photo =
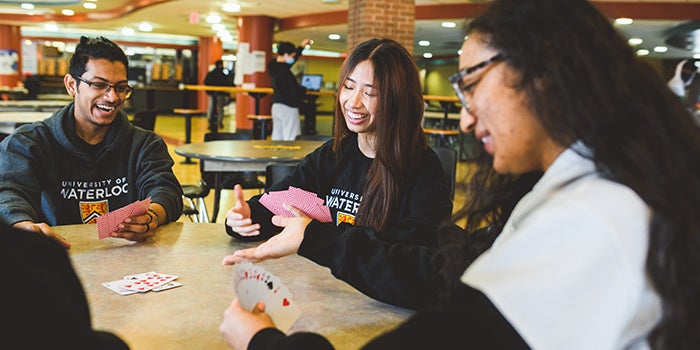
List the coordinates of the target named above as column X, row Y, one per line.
column 378, row 173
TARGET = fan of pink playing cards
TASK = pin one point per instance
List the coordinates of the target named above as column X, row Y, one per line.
column 254, row 284
column 303, row 200
column 108, row 223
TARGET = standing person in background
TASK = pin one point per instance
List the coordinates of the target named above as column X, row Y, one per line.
column 87, row 159
column 602, row 253
column 287, row 94
column 218, row 76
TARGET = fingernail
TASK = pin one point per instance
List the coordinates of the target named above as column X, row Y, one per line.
column 127, row 220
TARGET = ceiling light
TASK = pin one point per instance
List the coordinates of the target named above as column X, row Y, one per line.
column 67, row 12
column 145, row 27
column 27, row 6
column 642, row 52
column 635, row 41
column 231, row 7
column 697, row 55
column 218, row 26
column 424, row 43
column 660, row 49
column 623, row 21
column 428, row 55
column 213, row 18
column 449, row 24
column 90, row 5
column 128, row 31
column 334, row 36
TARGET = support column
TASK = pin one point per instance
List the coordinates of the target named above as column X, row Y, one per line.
column 392, row 19
column 210, row 50
column 257, row 32
column 10, row 55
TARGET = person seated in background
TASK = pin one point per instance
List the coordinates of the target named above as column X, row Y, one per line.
column 43, row 303
column 378, row 172
column 87, row 159
column 602, row 252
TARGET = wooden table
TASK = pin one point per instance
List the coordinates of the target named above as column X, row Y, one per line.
column 32, row 105
column 188, row 317
column 244, row 155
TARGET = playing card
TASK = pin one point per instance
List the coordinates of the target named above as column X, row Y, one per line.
column 169, row 285
column 143, row 282
column 303, row 200
column 254, row 284
column 108, row 223
column 118, row 287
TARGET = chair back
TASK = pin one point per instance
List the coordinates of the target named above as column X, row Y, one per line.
column 145, row 119
column 276, row 171
column 448, row 159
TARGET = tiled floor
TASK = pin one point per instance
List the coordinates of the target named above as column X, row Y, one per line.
column 172, row 129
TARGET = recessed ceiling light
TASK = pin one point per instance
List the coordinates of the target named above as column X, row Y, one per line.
column 635, row 41
column 27, row 6
column 231, row 7
column 145, row 27
column 428, row 55
column 67, row 12
column 90, row 5
column 424, row 43
column 334, row 36
column 660, row 49
column 218, row 26
column 448, row 24
column 642, row 52
column 128, row 31
column 623, row 21
column 213, row 18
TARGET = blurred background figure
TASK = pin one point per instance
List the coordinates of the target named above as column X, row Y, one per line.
column 219, row 76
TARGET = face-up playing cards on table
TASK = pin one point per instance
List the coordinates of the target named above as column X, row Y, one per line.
column 143, row 282
column 301, row 199
column 108, row 223
column 254, row 284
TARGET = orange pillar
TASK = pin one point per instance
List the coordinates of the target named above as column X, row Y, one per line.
column 210, row 50
column 257, row 32
column 10, row 55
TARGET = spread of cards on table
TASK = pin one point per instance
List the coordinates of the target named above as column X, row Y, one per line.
column 142, row 283
column 303, row 200
column 254, row 284
column 108, row 223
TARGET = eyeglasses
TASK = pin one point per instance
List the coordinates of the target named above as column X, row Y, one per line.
column 457, row 79
column 123, row 90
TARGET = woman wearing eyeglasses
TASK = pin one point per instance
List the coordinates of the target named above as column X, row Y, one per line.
column 87, row 159
column 602, row 253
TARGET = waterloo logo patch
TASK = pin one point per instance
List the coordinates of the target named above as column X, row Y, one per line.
column 345, row 218
column 89, row 211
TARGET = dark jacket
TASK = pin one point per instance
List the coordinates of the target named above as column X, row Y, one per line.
column 48, row 174
column 423, row 205
column 285, row 88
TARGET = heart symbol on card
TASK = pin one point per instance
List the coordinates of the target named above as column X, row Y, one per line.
column 285, row 302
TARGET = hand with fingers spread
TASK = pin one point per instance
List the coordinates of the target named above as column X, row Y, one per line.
column 285, row 243
column 238, row 217
column 240, row 325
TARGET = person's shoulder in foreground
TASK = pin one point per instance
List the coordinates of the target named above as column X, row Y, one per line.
column 45, row 304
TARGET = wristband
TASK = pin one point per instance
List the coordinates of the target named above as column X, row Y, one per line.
column 155, row 215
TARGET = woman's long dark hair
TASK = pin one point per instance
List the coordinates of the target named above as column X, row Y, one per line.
column 584, row 82
column 397, row 124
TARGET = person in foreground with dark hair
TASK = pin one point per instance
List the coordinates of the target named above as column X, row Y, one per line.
column 602, row 252
column 87, row 159
column 44, row 306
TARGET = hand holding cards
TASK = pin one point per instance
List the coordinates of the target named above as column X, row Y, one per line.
column 108, row 223
column 254, row 284
column 303, row 200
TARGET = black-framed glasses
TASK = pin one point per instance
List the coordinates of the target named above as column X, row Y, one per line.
column 457, row 79
column 123, row 90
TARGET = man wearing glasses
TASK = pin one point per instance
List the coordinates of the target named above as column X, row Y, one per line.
column 87, row 159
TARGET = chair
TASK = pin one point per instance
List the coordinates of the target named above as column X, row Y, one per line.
column 316, row 137
column 247, row 180
column 448, row 159
column 146, row 119
column 276, row 171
